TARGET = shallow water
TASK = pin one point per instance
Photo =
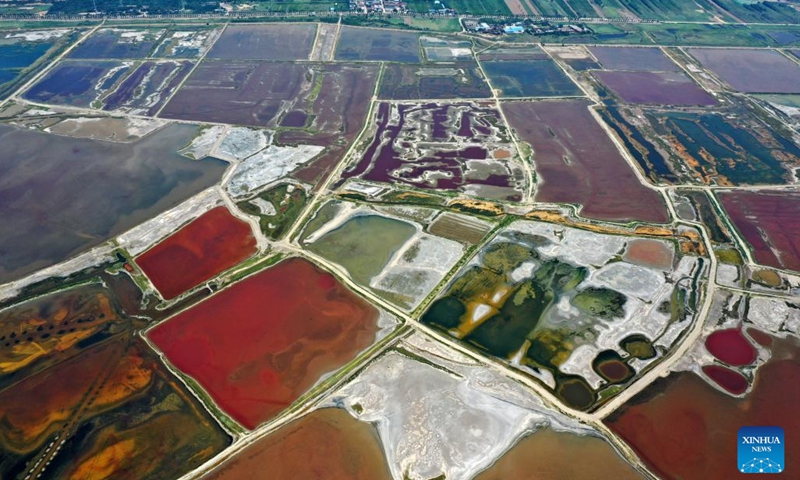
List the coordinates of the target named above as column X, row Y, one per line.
column 327, row 443
column 555, row 455
column 64, row 195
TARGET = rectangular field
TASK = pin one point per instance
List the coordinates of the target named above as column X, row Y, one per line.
column 576, row 162
column 517, row 53
column 439, row 81
column 81, row 83
column 17, row 55
column 209, row 245
column 258, row 345
column 758, row 12
column 715, row 35
column 634, row 58
column 474, row 7
column 575, row 56
column 770, row 223
column 372, row 44
column 717, row 149
column 186, row 43
column 265, row 42
column 550, row 8
column 118, row 43
column 238, row 92
column 22, row 53
column 751, row 71
column 677, row 10
column 655, row 88
column 446, row 49
column 531, row 78
column 461, row 228
column 146, row 90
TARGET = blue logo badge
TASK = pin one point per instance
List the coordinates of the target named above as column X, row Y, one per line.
column 761, row 450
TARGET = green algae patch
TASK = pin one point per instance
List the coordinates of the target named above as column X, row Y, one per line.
column 602, row 302
column 638, row 346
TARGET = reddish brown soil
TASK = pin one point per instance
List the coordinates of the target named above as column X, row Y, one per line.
column 118, row 413
column 146, row 426
column 649, row 253
column 552, row 455
column 595, row 174
column 684, row 428
column 760, row 337
column 318, row 171
column 767, row 219
column 327, row 444
column 260, row 344
column 38, row 406
column 209, row 245
column 731, row 347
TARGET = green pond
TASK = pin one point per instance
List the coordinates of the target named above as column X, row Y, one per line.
column 364, row 244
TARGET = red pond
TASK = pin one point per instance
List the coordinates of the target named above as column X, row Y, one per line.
column 684, row 428
column 260, row 344
column 731, row 347
column 211, row 244
column 730, row 380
